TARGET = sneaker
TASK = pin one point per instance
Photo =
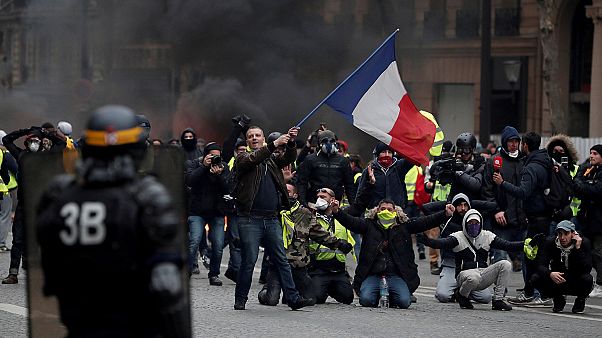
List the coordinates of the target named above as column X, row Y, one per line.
column 520, row 299
column 300, row 303
column 559, row 303
column 500, row 305
column 464, row 301
column 597, row 291
column 421, row 256
column 214, row 280
column 10, row 279
column 239, row 304
column 579, row 305
column 435, row 269
column 195, row 270
column 540, row 302
column 4, row 248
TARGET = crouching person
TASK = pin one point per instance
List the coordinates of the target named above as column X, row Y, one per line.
column 565, row 262
column 471, row 247
column 386, row 250
column 298, row 227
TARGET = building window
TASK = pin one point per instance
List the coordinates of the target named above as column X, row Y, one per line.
column 435, row 20
column 467, row 19
column 507, row 20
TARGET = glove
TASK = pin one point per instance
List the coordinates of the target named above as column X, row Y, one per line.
column 345, row 247
column 537, row 239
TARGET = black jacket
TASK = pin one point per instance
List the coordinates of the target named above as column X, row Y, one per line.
column 579, row 261
column 589, row 189
column 321, row 171
column 535, row 178
column 206, row 190
column 247, row 171
column 398, row 238
column 469, row 182
column 390, row 183
column 511, row 171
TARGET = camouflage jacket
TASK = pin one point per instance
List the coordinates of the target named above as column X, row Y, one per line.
column 303, row 229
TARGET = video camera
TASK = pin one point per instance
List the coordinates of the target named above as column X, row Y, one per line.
column 444, row 169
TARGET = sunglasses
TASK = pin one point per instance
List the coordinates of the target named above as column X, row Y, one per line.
column 464, row 151
column 326, row 190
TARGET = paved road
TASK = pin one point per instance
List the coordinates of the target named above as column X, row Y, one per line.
column 213, row 315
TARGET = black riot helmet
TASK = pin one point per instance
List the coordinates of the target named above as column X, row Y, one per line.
column 273, row 136
column 466, row 140
column 113, row 131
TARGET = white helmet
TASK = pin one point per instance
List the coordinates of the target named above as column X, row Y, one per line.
column 65, row 128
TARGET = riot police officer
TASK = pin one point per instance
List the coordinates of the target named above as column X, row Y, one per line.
column 108, row 239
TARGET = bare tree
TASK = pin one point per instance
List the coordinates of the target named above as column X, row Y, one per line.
column 548, row 12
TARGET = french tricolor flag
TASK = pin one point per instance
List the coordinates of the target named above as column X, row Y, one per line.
column 374, row 100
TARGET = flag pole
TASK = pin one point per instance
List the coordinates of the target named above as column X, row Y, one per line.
column 348, row 77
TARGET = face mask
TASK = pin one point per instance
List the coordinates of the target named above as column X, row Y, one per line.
column 513, row 154
column 385, row 161
column 189, row 144
column 473, row 230
column 34, row 146
column 329, row 148
column 386, row 218
column 321, row 204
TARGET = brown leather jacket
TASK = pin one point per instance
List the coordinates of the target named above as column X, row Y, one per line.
column 248, row 175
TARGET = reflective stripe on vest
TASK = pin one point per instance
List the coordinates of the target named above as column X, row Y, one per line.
column 323, row 253
column 356, row 177
column 288, row 225
column 441, row 192
column 437, row 146
column 231, row 163
column 575, row 202
column 410, row 181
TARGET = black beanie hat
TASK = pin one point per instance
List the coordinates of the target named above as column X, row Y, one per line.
column 211, row 146
column 598, row 148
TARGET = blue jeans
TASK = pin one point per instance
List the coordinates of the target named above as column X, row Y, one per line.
column 399, row 294
column 196, row 225
column 255, row 230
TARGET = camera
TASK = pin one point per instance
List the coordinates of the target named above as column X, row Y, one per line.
column 444, row 169
column 216, row 160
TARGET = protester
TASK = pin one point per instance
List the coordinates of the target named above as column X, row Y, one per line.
column 328, row 270
column 565, row 262
column 387, row 250
column 588, row 187
column 534, row 179
column 260, row 192
column 471, row 247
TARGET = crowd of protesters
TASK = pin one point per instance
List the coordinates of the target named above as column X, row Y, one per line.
column 311, row 204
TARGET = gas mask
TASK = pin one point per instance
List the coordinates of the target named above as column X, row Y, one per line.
column 473, row 229
column 386, row 218
column 330, row 147
column 321, row 204
column 33, row 146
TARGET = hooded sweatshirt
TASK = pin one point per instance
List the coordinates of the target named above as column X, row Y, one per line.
column 472, row 252
column 189, row 146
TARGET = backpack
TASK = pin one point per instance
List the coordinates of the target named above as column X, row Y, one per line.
column 558, row 195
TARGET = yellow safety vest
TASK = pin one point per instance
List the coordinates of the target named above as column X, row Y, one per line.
column 356, row 177
column 437, row 146
column 323, row 253
column 3, row 187
column 575, row 202
column 288, row 225
column 410, row 181
column 441, row 192
column 231, row 163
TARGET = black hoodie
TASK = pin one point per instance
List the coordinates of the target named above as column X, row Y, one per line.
column 189, row 146
column 534, row 179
